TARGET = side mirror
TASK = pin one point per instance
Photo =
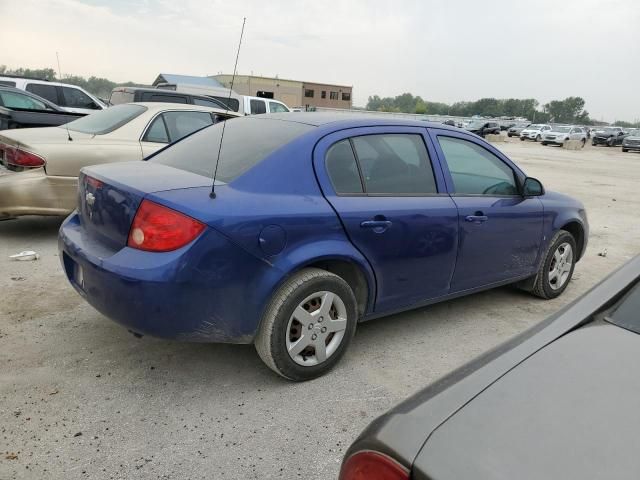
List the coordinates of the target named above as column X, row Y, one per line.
column 620, row 133
column 532, row 187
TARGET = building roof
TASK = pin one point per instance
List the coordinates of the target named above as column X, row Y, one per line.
column 282, row 79
column 187, row 79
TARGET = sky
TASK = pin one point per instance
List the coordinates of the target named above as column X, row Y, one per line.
column 442, row 50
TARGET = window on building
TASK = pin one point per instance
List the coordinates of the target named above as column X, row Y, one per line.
column 308, row 93
column 333, row 95
column 323, row 94
column 346, row 96
column 264, row 94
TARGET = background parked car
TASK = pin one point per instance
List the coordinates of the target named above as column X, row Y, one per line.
column 534, row 132
column 632, row 141
column 41, row 165
column 559, row 134
column 69, row 97
column 559, row 401
column 515, row 130
column 609, row 136
column 20, row 109
column 121, row 95
column 482, row 127
column 311, row 281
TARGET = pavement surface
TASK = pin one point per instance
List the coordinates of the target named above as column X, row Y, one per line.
column 81, row 398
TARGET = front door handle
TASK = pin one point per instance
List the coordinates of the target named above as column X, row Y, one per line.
column 378, row 226
column 476, row 218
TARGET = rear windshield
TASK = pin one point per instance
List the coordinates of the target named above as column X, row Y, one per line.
column 247, row 141
column 106, row 121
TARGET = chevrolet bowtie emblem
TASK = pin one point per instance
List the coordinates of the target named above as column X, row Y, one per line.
column 90, row 198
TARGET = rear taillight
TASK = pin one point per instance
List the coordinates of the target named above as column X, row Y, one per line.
column 370, row 465
column 157, row 228
column 21, row 158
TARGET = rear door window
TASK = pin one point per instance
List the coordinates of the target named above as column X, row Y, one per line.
column 275, row 107
column 476, row 171
column 74, row 98
column 206, row 103
column 395, row 164
column 48, row 92
column 181, row 124
column 343, row 169
column 157, row 132
column 258, row 107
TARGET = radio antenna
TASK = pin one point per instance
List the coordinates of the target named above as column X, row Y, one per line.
column 60, row 75
column 224, row 125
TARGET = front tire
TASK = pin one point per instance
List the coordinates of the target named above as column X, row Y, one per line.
column 538, row 138
column 556, row 269
column 307, row 325
column 625, row 150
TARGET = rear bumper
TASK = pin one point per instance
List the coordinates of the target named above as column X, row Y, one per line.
column 203, row 292
column 36, row 193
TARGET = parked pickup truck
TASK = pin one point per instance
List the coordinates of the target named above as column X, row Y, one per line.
column 19, row 109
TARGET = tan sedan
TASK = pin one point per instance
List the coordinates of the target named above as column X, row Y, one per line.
column 39, row 167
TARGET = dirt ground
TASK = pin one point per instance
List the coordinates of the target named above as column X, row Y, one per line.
column 82, row 398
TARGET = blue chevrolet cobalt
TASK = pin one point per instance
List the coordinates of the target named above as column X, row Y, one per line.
column 316, row 222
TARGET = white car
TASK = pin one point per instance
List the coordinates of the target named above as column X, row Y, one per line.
column 534, row 132
column 39, row 167
column 562, row 133
column 70, row 98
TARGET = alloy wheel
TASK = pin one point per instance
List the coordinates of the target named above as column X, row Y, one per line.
column 316, row 328
column 560, row 267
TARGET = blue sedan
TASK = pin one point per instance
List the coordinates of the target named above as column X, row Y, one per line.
column 318, row 222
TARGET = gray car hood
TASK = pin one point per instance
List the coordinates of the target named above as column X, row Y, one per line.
column 572, row 410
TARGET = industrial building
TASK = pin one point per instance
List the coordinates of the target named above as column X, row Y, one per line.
column 294, row 93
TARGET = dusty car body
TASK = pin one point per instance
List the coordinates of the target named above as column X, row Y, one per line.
column 39, row 167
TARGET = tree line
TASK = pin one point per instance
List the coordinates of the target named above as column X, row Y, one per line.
column 569, row 110
column 98, row 86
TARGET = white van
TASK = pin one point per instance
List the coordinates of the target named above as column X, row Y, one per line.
column 242, row 104
column 70, row 98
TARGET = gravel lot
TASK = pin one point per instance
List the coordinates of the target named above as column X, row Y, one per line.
column 82, row 398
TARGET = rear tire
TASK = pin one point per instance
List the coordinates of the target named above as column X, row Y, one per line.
column 522, row 139
column 625, row 150
column 556, row 269
column 538, row 138
column 291, row 342
column 544, row 144
column 583, row 142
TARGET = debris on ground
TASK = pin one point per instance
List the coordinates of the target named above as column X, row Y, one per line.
column 18, row 279
column 79, row 434
column 603, row 253
column 11, row 456
column 53, row 392
column 25, row 255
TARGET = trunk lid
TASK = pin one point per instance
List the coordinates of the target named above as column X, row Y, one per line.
column 109, row 195
column 40, row 136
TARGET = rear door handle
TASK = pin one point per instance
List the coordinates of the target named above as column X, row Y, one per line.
column 476, row 218
column 378, row 226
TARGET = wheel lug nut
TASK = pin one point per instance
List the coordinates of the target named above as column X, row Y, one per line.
column 324, row 329
column 314, row 336
column 320, row 319
column 310, row 327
